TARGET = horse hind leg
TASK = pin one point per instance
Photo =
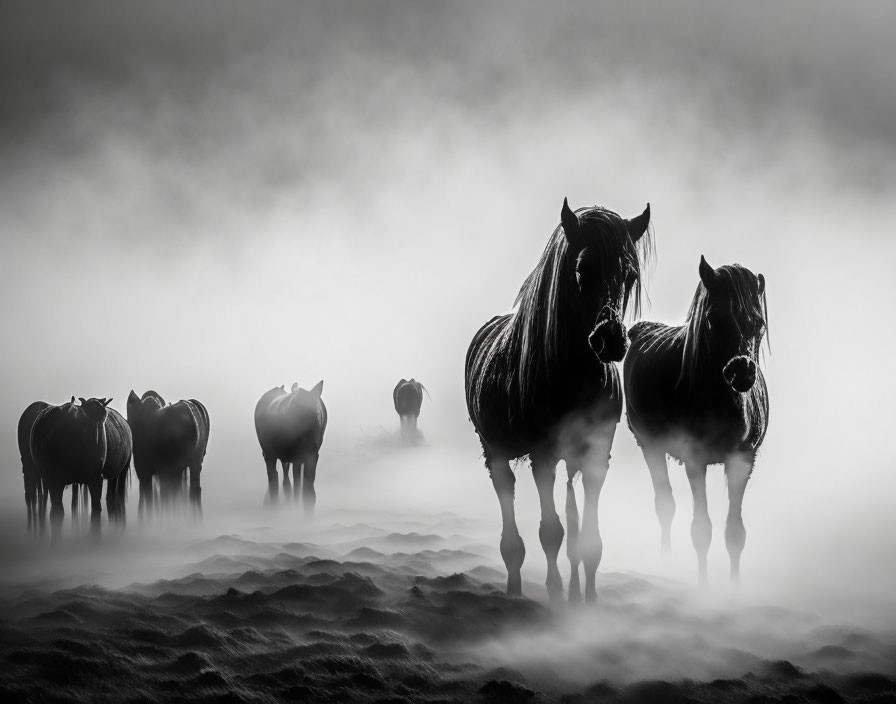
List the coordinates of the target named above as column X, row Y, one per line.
column 273, row 494
column 287, row 485
column 75, row 516
column 57, row 513
column 550, row 531
column 309, row 474
column 738, row 471
column 663, row 501
column 196, row 489
column 96, row 505
column 701, row 526
column 297, row 480
column 513, row 550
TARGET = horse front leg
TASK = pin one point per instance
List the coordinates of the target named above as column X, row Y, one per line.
column 550, row 531
column 145, row 507
column 573, row 551
column 513, row 550
column 287, row 485
column 663, row 501
column 738, row 470
column 594, row 473
column 701, row 526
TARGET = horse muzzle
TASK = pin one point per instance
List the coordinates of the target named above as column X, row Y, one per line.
column 609, row 340
column 740, row 373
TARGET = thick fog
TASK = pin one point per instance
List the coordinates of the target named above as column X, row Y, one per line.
column 211, row 199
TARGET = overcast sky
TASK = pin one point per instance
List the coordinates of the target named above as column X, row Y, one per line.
column 213, row 198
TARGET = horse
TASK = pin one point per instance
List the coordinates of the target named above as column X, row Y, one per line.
column 408, row 398
column 83, row 445
column 542, row 382
column 168, row 441
column 35, row 491
column 290, row 426
column 696, row 393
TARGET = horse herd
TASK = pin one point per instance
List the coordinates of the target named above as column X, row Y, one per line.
column 83, row 444
column 540, row 382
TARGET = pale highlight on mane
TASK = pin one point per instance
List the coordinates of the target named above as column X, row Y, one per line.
column 548, row 306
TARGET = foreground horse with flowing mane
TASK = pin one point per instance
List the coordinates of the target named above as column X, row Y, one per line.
column 81, row 446
column 168, row 440
column 542, row 382
column 696, row 393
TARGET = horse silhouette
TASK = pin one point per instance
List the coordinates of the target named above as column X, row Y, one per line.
column 35, row 490
column 408, row 398
column 83, row 445
column 290, row 426
column 541, row 382
column 696, row 393
column 168, row 441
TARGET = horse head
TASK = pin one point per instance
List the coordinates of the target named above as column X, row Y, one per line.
column 735, row 320
column 607, row 269
column 95, row 408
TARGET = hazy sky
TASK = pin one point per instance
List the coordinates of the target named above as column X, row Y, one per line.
column 213, row 198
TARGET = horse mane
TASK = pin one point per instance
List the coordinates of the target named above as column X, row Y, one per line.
column 538, row 329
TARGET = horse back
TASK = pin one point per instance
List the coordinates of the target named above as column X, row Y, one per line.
column 26, row 422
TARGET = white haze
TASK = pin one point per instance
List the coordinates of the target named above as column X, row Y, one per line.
column 213, row 204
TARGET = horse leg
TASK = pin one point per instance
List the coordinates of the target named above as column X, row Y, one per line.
column 738, row 470
column 75, row 487
column 196, row 489
column 513, row 551
column 309, row 474
column 572, row 534
column 550, row 531
column 287, row 485
column 30, row 499
column 43, row 497
column 663, row 501
column 96, row 505
column 273, row 490
column 297, row 479
column 701, row 526
column 145, row 505
column 57, row 513
column 594, row 472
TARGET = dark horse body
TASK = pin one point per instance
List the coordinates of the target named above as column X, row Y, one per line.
column 696, row 393
column 290, row 426
column 83, row 445
column 542, row 382
column 408, row 398
column 35, row 491
column 168, row 441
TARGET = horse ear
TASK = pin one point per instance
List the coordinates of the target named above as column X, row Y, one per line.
column 81, row 399
column 133, row 398
column 295, row 386
column 570, row 222
column 318, row 388
column 638, row 226
column 107, row 401
column 761, row 279
column 707, row 274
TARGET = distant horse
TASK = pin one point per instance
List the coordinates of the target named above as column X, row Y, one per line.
column 168, row 440
column 83, row 445
column 408, row 398
column 696, row 392
column 35, row 491
column 290, row 426
column 541, row 381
